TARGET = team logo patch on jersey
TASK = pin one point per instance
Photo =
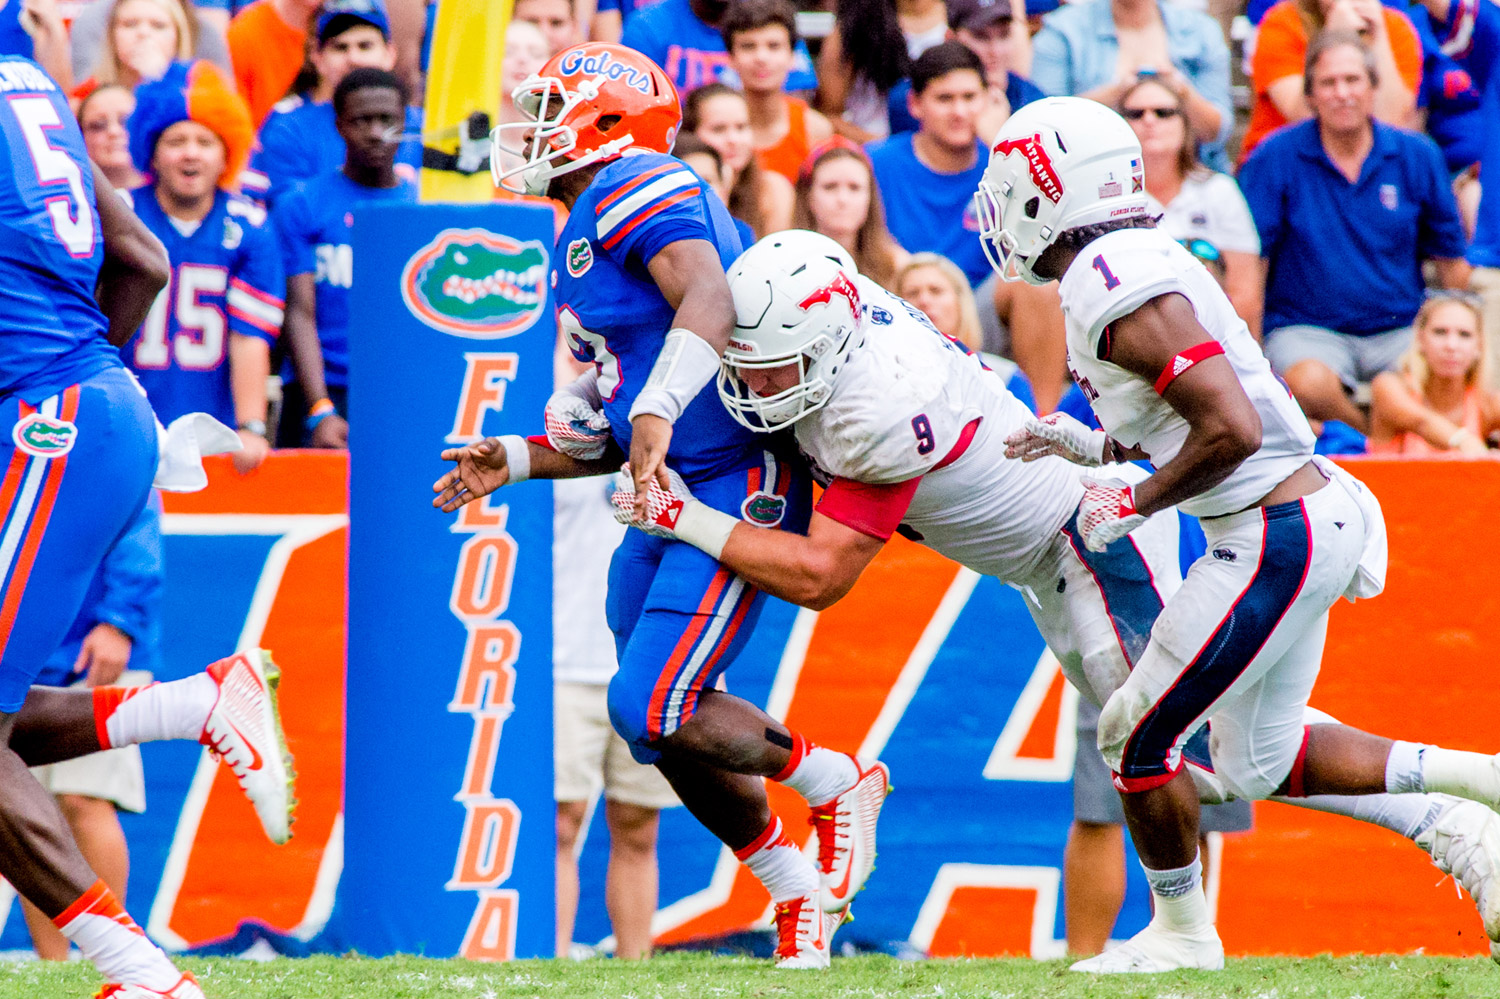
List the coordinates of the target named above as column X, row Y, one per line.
column 1389, row 197
column 44, row 436
column 476, row 283
column 234, row 234
column 580, row 257
column 763, row 509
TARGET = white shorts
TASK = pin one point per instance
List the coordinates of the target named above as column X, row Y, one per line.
column 113, row 775
column 588, row 753
column 1241, row 643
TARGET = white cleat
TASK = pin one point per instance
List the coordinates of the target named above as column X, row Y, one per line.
column 846, row 835
column 804, row 933
column 244, row 731
column 186, row 988
column 1464, row 841
column 1154, row 950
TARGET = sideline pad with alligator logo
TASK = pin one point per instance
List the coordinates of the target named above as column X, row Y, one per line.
column 476, row 283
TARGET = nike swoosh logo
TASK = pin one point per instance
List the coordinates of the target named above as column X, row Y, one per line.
column 257, row 762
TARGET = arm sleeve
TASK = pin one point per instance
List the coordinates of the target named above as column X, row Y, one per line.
column 1440, row 231
column 131, row 575
column 290, row 225
column 1049, row 63
column 872, row 510
column 656, row 206
column 256, row 289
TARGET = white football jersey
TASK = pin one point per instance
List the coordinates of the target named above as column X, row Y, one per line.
column 900, row 407
column 1117, row 274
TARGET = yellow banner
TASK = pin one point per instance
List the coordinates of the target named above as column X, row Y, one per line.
column 463, row 76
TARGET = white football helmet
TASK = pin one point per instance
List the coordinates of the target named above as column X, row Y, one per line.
column 795, row 301
column 1057, row 164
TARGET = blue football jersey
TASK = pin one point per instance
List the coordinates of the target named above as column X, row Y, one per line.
column 226, row 279
column 612, row 313
column 51, row 246
column 313, row 223
column 300, row 141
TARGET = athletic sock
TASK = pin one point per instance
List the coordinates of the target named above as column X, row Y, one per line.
column 1403, row 814
column 1453, row 771
column 1180, row 903
column 816, row 773
column 1403, row 768
column 174, row 710
column 111, row 939
column 780, row 866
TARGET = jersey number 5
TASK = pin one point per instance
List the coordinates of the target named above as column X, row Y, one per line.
column 71, row 214
column 587, row 345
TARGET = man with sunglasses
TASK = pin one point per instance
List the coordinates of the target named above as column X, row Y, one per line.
column 1348, row 210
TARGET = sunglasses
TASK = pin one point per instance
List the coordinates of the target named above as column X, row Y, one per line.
column 1136, row 114
column 1468, row 298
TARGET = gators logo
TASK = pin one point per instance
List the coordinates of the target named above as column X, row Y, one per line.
column 580, row 257
column 475, row 283
column 763, row 509
column 43, row 436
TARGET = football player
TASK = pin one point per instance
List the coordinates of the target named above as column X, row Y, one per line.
column 907, row 430
column 1174, row 375
column 641, row 294
column 80, row 457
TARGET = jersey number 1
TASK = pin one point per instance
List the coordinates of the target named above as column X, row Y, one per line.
column 1110, row 281
column 72, row 222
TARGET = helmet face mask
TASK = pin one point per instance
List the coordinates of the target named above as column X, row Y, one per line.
column 767, row 413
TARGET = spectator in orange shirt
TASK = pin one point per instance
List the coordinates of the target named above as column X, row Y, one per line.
column 1281, row 50
column 761, row 39
column 268, row 44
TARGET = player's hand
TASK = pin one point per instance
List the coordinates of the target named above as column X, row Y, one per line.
column 663, row 507
column 332, row 432
column 479, row 469
column 1060, row 435
column 1106, row 513
column 103, row 655
column 575, row 428
column 252, row 452
column 650, row 436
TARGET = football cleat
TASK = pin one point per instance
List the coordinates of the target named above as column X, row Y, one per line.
column 1154, row 950
column 186, row 988
column 804, row 933
column 1464, row 841
column 846, row 835
column 244, row 731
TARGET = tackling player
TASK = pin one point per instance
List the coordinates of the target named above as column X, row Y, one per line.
column 1174, row 375
column 907, row 429
column 641, row 294
column 80, row 456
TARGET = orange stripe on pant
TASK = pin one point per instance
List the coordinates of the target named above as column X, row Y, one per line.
column 684, row 647
column 33, row 540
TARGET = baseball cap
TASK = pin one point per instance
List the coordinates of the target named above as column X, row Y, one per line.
column 976, row 14
column 340, row 15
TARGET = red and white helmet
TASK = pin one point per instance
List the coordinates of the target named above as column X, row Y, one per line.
column 588, row 104
column 1057, row 164
column 795, row 300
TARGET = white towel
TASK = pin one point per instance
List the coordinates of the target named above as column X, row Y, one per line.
column 183, row 446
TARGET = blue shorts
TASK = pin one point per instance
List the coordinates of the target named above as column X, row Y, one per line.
column 679, row 617
column 78, row 467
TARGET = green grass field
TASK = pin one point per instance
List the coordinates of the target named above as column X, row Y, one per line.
column 693, row 975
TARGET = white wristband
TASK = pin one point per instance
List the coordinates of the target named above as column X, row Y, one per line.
column 705, row 528
column 687, row 362
column 517, row 457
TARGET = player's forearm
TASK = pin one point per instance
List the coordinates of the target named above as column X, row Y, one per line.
column 249, row 367
column 786, row 565
column 1208, row 457
column 301, row 332
column 549, row 464
column 135, row 267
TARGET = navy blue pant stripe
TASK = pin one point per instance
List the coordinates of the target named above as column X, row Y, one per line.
column 1286, row 553
column 1124, row 580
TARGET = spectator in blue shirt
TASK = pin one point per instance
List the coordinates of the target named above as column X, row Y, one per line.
column 1348, row 208
column 299, row 140
column 682, row 37
column 314, row 222
column 1097, row 48
column 927, row 178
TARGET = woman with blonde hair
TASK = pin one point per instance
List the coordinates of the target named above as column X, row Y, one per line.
column 935, row 285
column 836, row 197
column 1435, row 402
column 131, row 41
column 718, row 115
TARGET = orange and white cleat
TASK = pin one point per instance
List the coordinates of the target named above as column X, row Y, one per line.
column 846, row 835
column 186, row 988
column 244, row 731
column 804, row 933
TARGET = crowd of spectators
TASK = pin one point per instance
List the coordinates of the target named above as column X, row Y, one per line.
column 1337, row 194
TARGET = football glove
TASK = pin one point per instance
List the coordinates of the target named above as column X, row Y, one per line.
column 1057, row 434
column 576, row 426
column 673, row 513
column 1106, row 513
